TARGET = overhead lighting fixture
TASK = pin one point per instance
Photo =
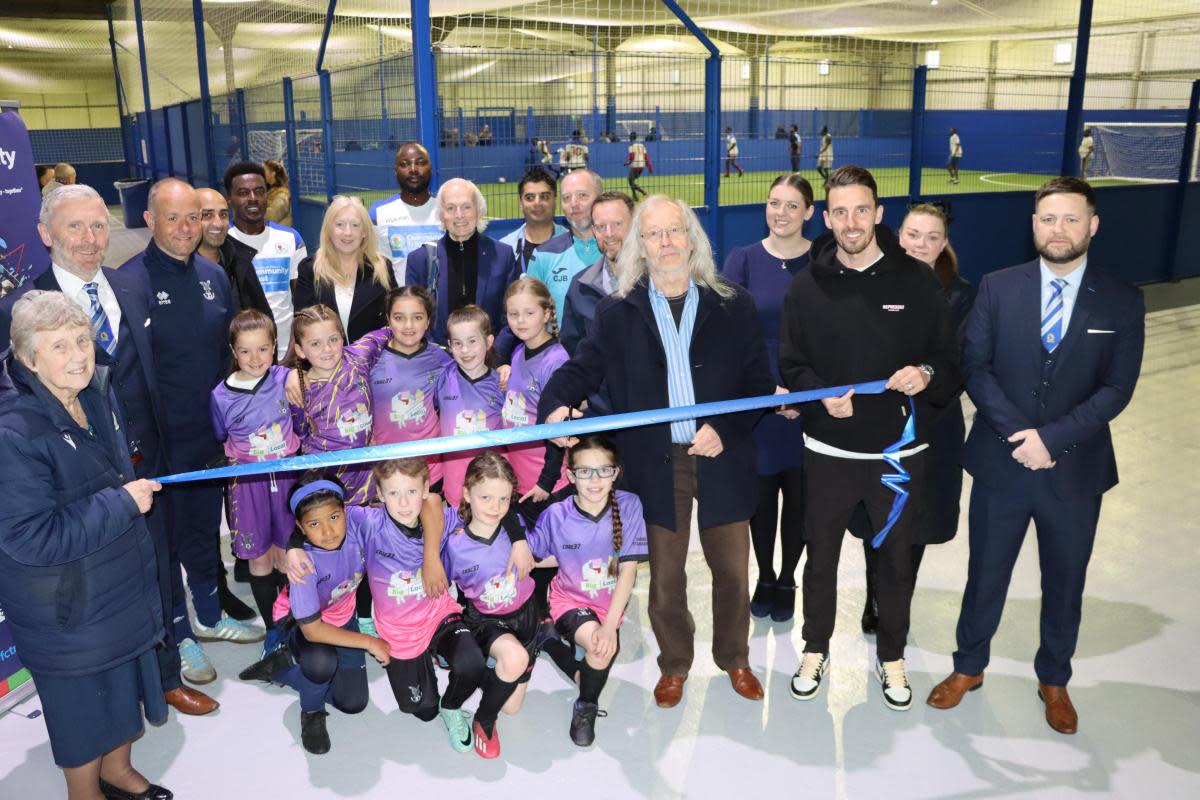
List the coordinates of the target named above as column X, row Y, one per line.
column 933, row 2
column 933, row 59
column 823, row 67
column 1062, row 53
column 746, row 71
column 674, row 76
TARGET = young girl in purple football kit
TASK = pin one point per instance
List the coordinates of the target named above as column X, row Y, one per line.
column 498, row 604
column 597, row 537
column 468, row 393
column 325, row 660
column 250, row 414
column 404, row 379
column 531, row 317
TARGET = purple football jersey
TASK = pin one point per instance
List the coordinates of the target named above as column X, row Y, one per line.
column 583, row 546
column 255, row 424
column 465, row 406
column 530, row 373
column 403, row 398
column 405, row 618
column 329, row 593
column 478, row 567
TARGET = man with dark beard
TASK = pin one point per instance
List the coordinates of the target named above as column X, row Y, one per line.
column 864, row 311
column 1040, row 447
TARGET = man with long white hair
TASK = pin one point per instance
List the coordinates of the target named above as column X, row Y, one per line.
column 673, row 334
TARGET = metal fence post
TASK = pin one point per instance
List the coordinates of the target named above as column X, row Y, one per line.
column 210, row 157
column 916, row 152
column 148, row 134
column 1070, row 154
column 293, row 157
column 1186, row 165
column 327, row 145
column 127, row 145
column 243, row 129
column 425, row 87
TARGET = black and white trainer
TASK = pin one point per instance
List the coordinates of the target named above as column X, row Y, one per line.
column 897, row 695
column 806, row 683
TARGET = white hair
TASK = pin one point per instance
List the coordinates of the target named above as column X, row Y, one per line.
column 37, row 312
column 73, row 191
column 480, row 203
column 632, row 261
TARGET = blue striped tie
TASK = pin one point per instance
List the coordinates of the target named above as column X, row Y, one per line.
column 1052, row 321
column 101, row 330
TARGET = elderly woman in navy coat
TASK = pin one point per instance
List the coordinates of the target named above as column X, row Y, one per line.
column 673, row 334
column 77, row 565
column 464, row 266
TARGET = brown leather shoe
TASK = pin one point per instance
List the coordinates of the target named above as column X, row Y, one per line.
column 949, row 692
column 1060, row 714
column 745, row 684
column 669, row 690
column 186, row 700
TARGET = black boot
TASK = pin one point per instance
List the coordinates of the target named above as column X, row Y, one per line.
column 230, row 603
column 313, row 735
column 784, row 607
column 583, row 722
column 763, row 599
column 269, row 666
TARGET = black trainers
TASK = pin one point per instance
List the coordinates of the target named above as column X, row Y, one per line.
column 583, row 722
column 313, row 735
column 266, row 668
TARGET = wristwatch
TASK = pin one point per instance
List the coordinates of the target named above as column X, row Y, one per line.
column 928, row 370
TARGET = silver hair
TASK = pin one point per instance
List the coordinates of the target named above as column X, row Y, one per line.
column 632, row 263
column 73, row 191
column 37, row 312
column 156, row 187
column 480, row 204
column 597, row 181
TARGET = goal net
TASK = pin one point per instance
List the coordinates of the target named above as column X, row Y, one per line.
column 639, row 126
column 1138, row 151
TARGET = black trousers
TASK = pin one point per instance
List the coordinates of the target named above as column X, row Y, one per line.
column 834, row 487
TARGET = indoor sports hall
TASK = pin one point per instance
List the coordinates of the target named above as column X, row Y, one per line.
column 128, row 92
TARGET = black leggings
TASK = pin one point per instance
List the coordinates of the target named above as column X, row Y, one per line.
column 767, row 518
column 414, row 681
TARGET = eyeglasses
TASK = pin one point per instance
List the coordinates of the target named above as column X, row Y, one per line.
column 587, row 473
column 657, row 233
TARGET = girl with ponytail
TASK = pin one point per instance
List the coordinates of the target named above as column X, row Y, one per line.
column 597, row 538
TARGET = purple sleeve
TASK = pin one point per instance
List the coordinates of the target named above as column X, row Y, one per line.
column 538, row 539
column 304, row 600
column 368, row 349
column 634, row 546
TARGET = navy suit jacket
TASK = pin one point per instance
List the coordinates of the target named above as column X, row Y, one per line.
column 497, row 269
column 1069, row 396
column 133, row 296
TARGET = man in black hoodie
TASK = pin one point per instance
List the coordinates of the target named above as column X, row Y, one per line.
column 864, row 311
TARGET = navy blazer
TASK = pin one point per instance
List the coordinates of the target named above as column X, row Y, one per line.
column 623, row 349
column 497, row 269
column 1069, row 396
column 367, row 311
column 133, row 296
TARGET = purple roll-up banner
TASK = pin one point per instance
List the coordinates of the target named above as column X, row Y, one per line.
column 22, row 254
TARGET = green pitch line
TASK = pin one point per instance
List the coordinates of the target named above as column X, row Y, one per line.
column 753, row 187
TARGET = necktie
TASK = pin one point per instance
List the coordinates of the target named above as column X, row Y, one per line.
column 101, row 329
column 1052, row 319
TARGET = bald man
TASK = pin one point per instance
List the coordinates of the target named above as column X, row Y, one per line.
column 191, row 307
column 405, row 221
column 236, row 258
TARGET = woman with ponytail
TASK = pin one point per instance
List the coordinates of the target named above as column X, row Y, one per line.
column 597, row 538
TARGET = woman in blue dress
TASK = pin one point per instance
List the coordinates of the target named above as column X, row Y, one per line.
column 766, row 269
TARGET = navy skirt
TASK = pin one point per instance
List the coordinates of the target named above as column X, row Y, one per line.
column 89, row 715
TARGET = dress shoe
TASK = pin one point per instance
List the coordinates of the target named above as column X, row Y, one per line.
column 784, row 607
column 669, row 690
column 187, row 700
column 763, row 599
column 111, row 792
column 745, row 684
column 949, row 692
column 1060, row 714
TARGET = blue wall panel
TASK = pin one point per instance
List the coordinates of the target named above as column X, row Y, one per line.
column 1187, row 256
column 178, row 142
column 197, row 147
column 161, row 152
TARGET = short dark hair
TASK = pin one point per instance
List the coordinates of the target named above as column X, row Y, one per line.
column 1067, row 185
column 611, row 197
column 242, row 168
column 852, row 175
column 537, row 175
column 797, row 182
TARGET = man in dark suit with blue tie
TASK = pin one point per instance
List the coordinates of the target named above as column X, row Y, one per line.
column 1052, row 354
column 74, row 224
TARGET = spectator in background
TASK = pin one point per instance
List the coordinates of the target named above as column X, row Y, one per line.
column 1086, row 146
column 64, row 175
column 236, row 258
column 406, row 220
column 956, row 152
column 825, row 154
column 347, row 273
column 537, row 193
column 637, row 159
column 780, row 132
column 611, row 215
column 652, row 134
column 278, row 250
column 45, row 174
column 577, row 156
column 472, row 140
column 731, row 153
column 795, row 147
column 485, row 135
column 562, row 258
column 234, row 148
column 279, row 195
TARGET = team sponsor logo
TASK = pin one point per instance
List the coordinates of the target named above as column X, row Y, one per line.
column 596, row 578
column 499, row 590
column 514, row 412
column 470, row 420
column 408, row 407
column 164, row 299
column 893, row 306
column 404, row 585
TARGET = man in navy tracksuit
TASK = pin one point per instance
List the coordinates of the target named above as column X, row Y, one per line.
column 191, row 306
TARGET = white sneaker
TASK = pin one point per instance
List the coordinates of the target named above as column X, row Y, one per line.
column 194, row 664
column 806, row 683
column 229, row 629
column 897, row 695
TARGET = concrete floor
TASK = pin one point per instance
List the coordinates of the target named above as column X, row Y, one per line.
column 1136, row 685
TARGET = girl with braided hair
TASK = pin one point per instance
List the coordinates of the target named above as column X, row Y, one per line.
column 597, row 538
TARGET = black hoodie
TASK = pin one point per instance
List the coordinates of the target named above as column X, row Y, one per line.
column 843, row 326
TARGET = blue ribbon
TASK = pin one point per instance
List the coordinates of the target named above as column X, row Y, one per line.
column 578, row 427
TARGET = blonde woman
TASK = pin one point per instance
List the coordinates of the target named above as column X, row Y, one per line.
column 347, row 273
column 279, row 195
